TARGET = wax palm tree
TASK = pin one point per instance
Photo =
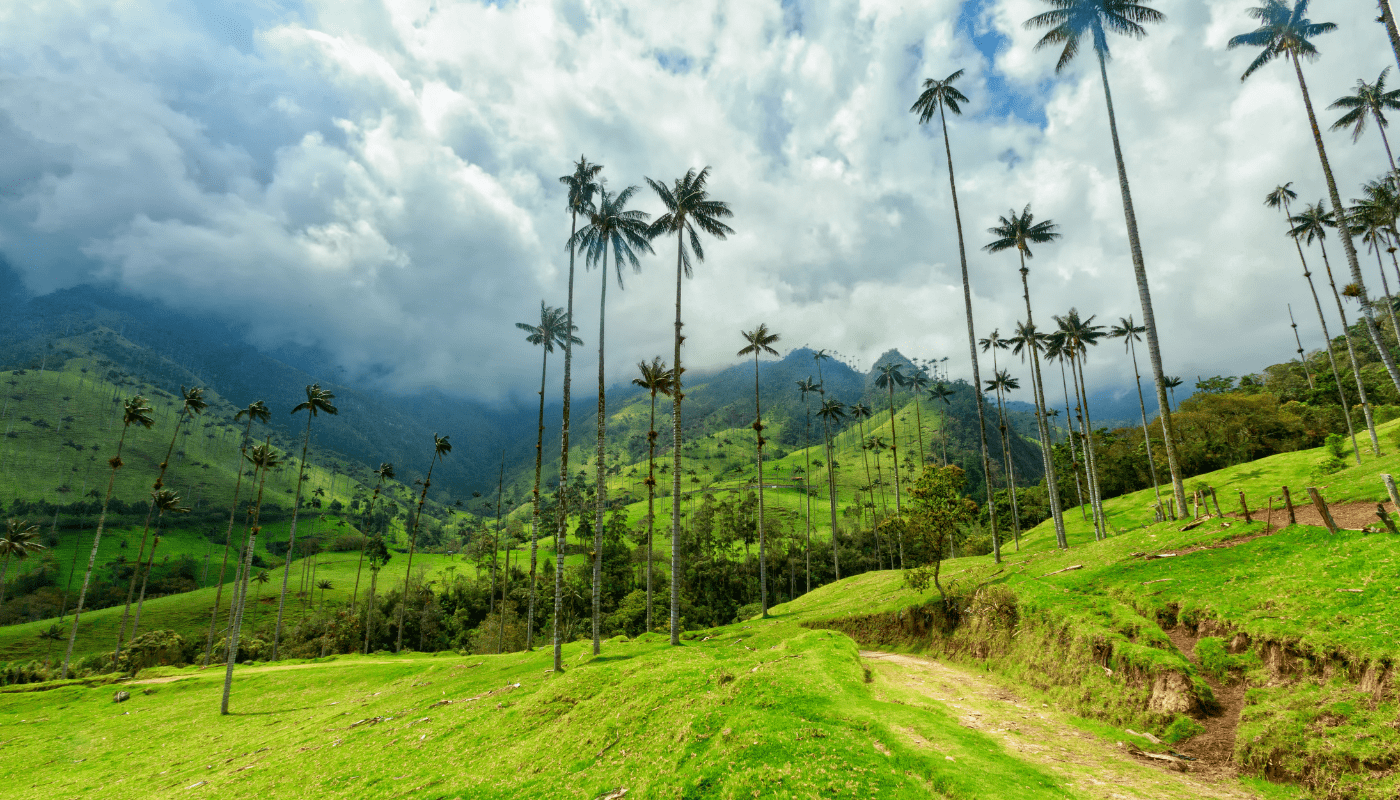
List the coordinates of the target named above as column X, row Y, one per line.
column 1388, row 20
column 1080, row 334
column 807, row 387
column 1055, row 350
column 1173, row 381
column 877, row 445
column 625, row 231
column 656, row 379
column 888, row 378
column 1373, row 218
column 1370, row 101
column 991, row 344
column 689, row 211
column 940, row 393
column 324, row 585
column 549, row 332
column 861, row 412
column 582, row 185
column 1068, row 22
column 167, row 502
column 134, row 412
column 19, row 541
column 1001, row 383
column 378, row 554
column 1029, row 342
column 317, row 400
column 51, row 634
column 760, row 341
column 1019, row 232
column 1286, row 31
column 941, row 96
column 385, row 472
column 441, row 447
column 256, row 411
column 1132, row 334
column 1302, row 357
column 919, row 380
column 192, row 403
column 832, row 412
column 1312, row 224
column 264, row 460
column 1281, row 197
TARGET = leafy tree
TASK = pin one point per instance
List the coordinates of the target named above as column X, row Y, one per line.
column 1286, row 31
column 134, row 412
column 192, row 403
column 1370, row 101
column 938, row 510
column 20, row 541
column 625, row 231
column 317, row 401
column 937, row 96
column 689, row 210
column 656, row 379
column 1069, row 21
column 166, row 502
column 582, row 184
column 1280, row 198
column 550, row 332
column 759, row 341
column 441, row 447
column 255, row 411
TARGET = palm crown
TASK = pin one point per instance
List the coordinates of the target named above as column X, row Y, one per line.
column 688, row 208
column 1282, row 31
column 1281, row 196
column 136, row 412
column 1370, row 100
column 655, row 377
column 890, row 377
column 612, row 225
column 1021, row 231
column 1070, row 20
column 1313, row 222
column 938, row 94
column 194, row 401
column 257, row 410
column 317, row 399
column 1127, row 331
column 550, row 331
column 759, row 340
column 582, row 183
column 940, row 391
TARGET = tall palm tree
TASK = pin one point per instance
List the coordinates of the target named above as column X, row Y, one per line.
column 264, row 460
column 385, row 472
column 192, row 403
column 807, row 387
column 888, row 379
column 582, row 184
column 1387, row 19
column 317, row 401
column 940, row 392
column 876, row 445
column 378, row 554
column 256, row 410
column 919, row 380
column 656, row 379
column 1286, row 31
column 1020, row 231
column 861, row 412
column 1302, row 357
column 550, row 332
column 1029, row 342
column 937, row 96
column 1172, row 382
column 625, row 231
column 1280, row 198
column 19, row 541
column 166, row 502
column 1372, row 218
column 1131, row 334
column 134, row 412
column 1370, row 100
column 1312, row 224
column 992, row 343
column 759, row 341
column 689, row 211
column 441, row 447
column 832, row 412
column 1001, row 383
column 1080, row 334
column 1055, row 351
column 324, row 584
column 1068, row 22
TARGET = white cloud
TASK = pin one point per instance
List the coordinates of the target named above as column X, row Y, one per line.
column 379, row 178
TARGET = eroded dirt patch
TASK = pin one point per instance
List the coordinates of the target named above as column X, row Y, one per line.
column 1090, row 766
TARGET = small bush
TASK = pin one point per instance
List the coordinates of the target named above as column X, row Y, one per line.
column 1181, row 729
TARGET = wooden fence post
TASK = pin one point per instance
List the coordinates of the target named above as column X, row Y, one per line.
column 1196, row 504
column 1385, row 517
column 1244, row 507
column 1390, row 488
column 1288, row 501
column 1322, row 509
column 1216, row 500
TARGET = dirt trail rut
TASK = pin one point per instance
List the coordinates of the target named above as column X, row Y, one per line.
column 1090, row 766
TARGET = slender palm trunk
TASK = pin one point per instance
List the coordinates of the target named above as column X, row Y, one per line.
column 1351, row 353
column 651, row 503
column 894, row 457
column 92, row 559
column 601, row 468
column 1385, row 287
column 1349, row 248
column 150, row 563
column 1073, row 451
column 535, row 510
column 291, row 536
column 1041, row 421
column 369, row 605
column 919, row 423
column 676, row 458
column 561, row 533
column 1327, row 338
column 1388, row 17
column 762, row 541
column 831, row 493
column 943, row 430
column 807, row 484
column 228, row 543
column 413, row 545
column 1095, row 489
column 1010, row 471
column 364, row 542
column 1142, row 408
column 865, row 457
column 972, row 343
column 239, row 601
column 1149, row 320
column 1302, row 355
column 496, row 538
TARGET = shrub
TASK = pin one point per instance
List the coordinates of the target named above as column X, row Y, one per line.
column 1182, row 728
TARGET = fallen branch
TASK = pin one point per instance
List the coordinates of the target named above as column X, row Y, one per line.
column 1066, row 569
column 1199, row 522
column 609, row 747
column 1159, row 580
column 1357, row 591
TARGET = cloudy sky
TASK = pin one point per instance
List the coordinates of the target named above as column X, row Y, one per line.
column 380, row 178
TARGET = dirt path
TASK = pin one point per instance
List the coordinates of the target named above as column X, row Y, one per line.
column 1348, row 516
column 1089, row 766
column 1214, row 750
